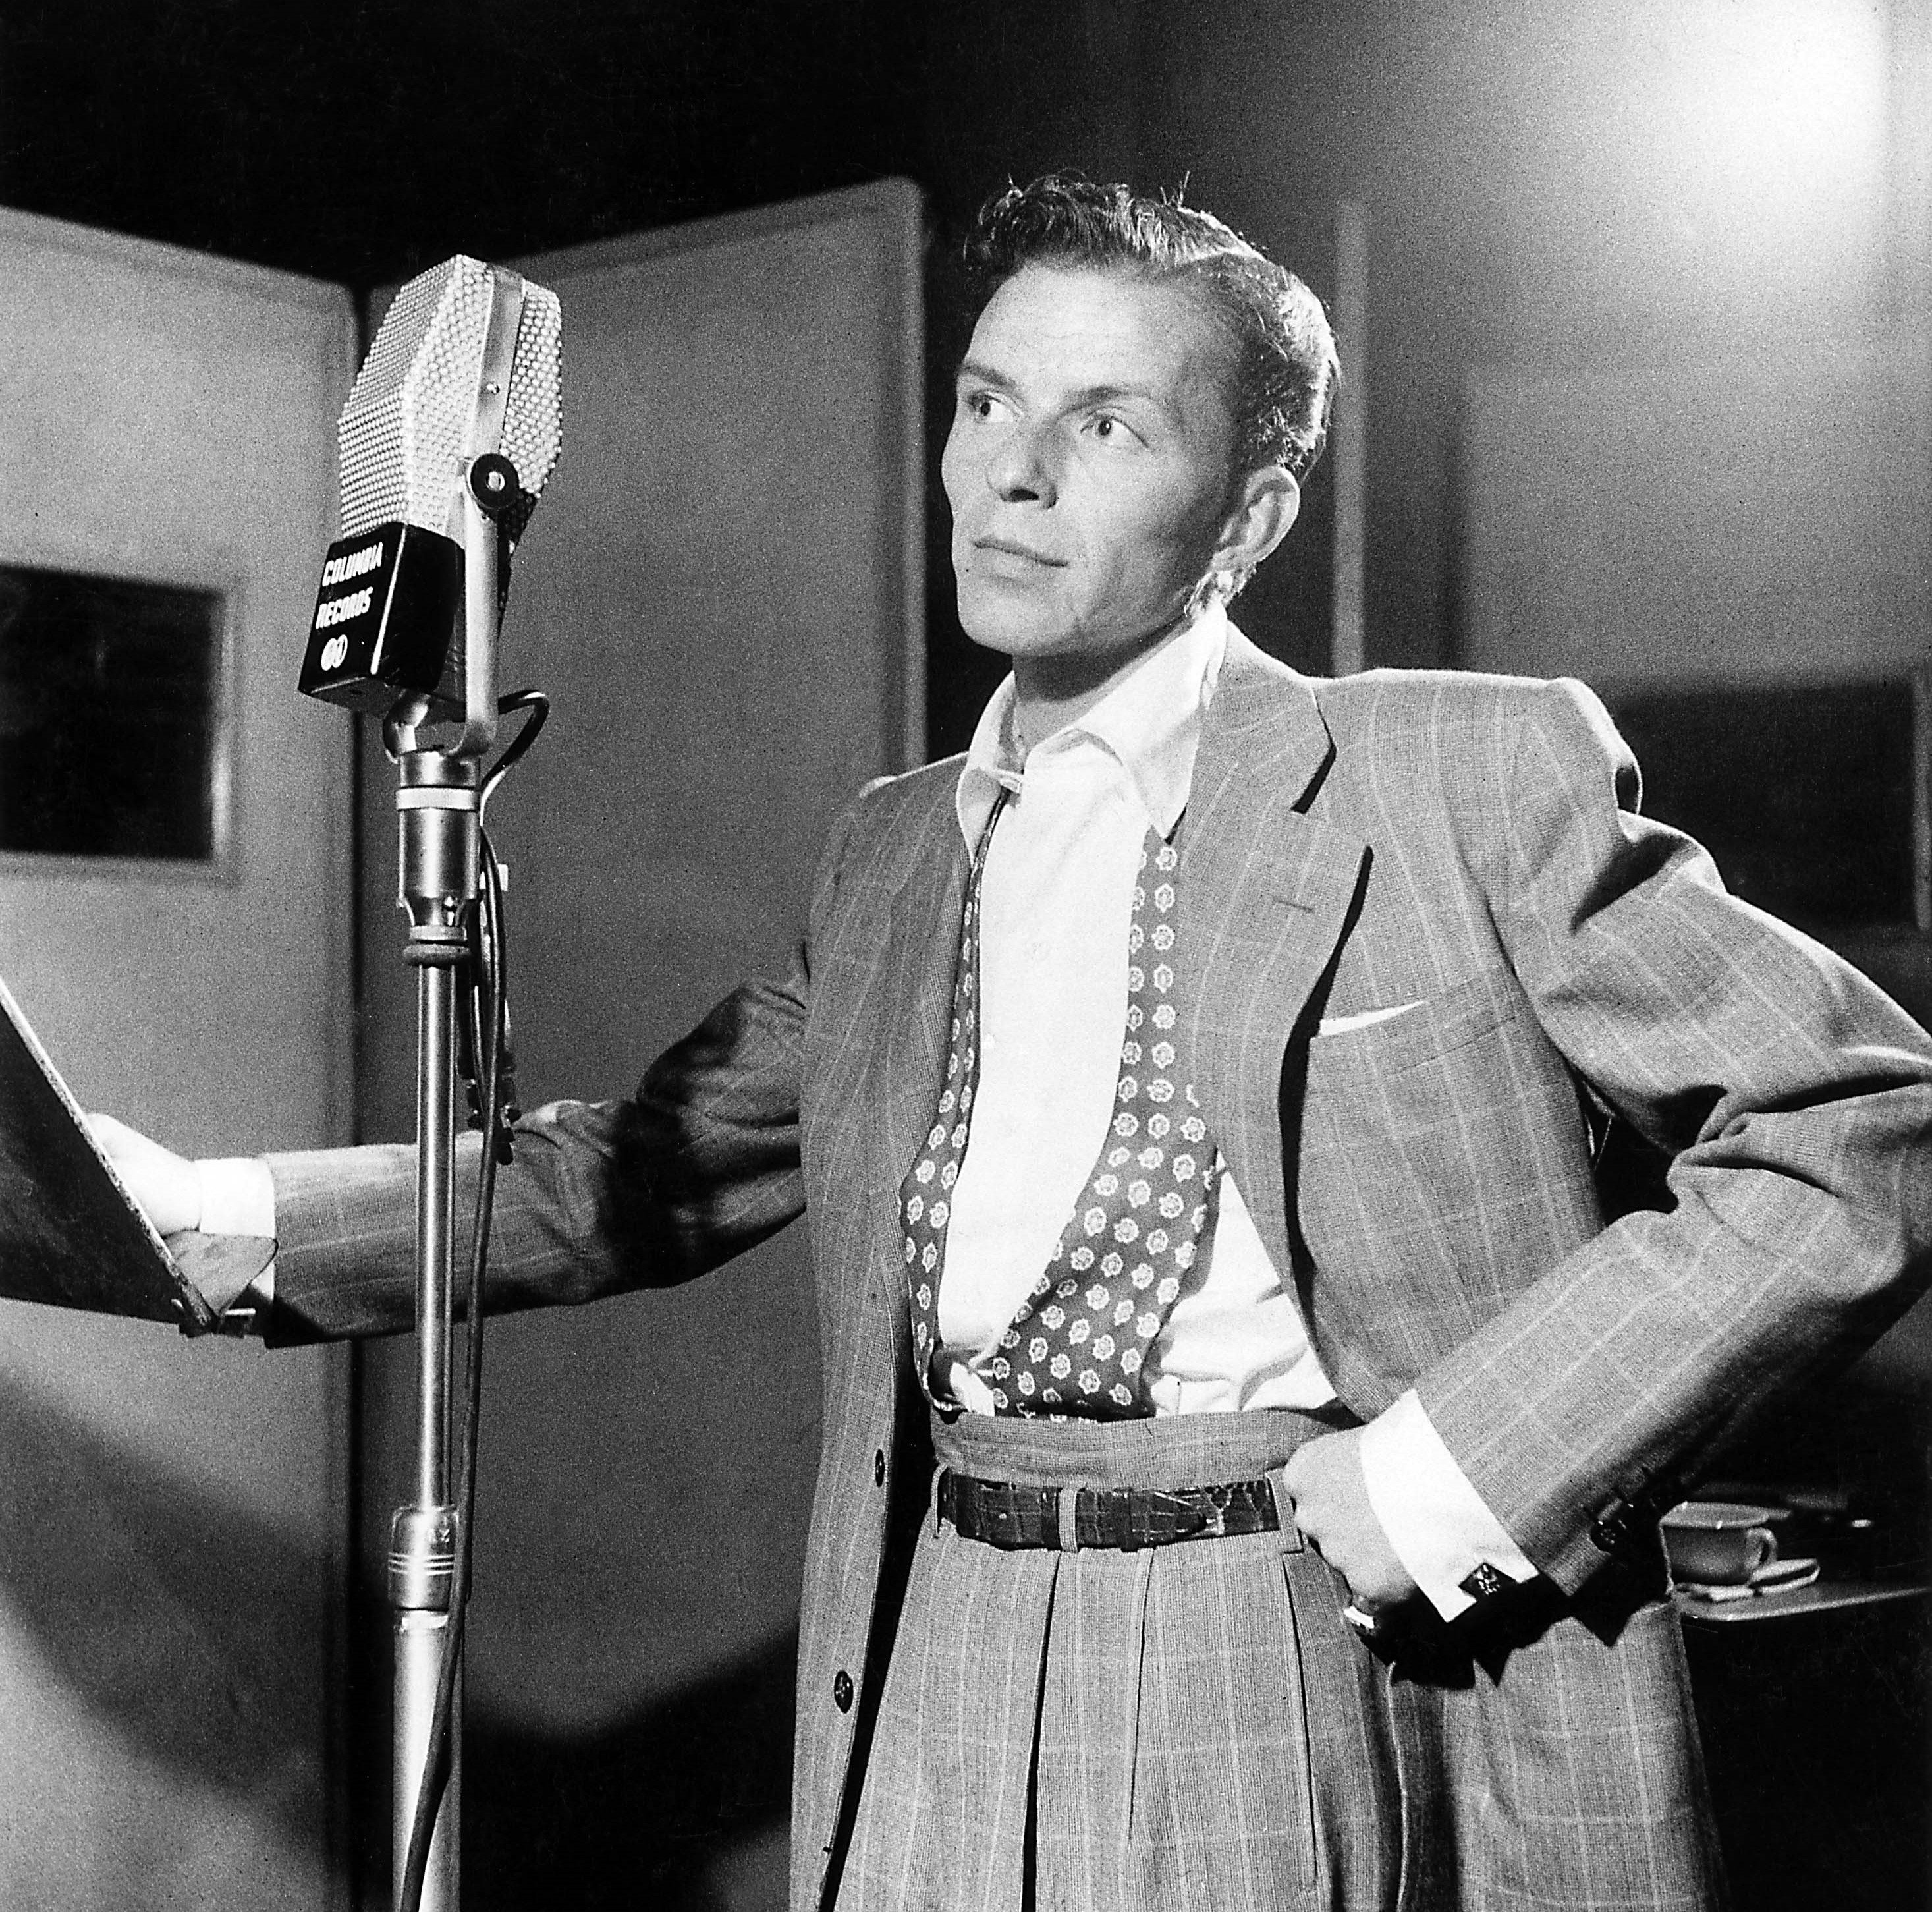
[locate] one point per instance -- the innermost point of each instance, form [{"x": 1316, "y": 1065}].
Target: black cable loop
[{"x": 537, "y": 703}]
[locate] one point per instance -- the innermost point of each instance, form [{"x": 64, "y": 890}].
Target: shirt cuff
[
  {"x": 238, "y": 1197},
  {"x": 1440, "y": 1528}
]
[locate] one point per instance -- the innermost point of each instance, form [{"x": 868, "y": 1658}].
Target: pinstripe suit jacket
[{"x": 1461, "y": 842}]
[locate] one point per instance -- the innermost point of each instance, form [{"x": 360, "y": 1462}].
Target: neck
[{"x": 1051, "y": 692}]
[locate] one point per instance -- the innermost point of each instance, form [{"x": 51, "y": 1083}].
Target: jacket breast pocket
[
  {"x": 1440, "y": 1168},
  {"x": 1461, "y": 1017}
]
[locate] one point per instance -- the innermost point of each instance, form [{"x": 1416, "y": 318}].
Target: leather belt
[{"x": 1004, "y": 1514}]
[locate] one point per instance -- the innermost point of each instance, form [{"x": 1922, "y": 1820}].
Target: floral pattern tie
[
  {"x": 1077, "y": 1346},
  {"x": 925, "y": 1195}
]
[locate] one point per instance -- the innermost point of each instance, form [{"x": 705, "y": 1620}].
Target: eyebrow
[{"x": 979, "y": 374}]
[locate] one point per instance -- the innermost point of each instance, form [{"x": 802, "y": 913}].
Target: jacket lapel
[{"x": 1265, "y": 896}]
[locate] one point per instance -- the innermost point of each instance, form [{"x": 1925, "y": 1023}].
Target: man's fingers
[
  {"x": 1307, "y": 1479},
  {"x": 115, "y": 1138},
  {"x": 1325, "y": 1480},
  {"x": 163, "y": 1184}
]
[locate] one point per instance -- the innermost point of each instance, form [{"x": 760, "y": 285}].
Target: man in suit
[{"x": 1244, "y": 1425}]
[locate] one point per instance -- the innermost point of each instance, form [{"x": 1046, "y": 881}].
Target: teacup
[{"x": 1720, "y": 1543}]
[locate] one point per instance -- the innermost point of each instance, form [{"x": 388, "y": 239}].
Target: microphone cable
[{"x": 489, "y": 1033}]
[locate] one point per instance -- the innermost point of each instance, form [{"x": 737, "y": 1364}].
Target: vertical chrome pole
[
  {"x": 423, "y": 1539},
  {"x": 437, "y": 807},
  {"x": 436, "y": 1196}
]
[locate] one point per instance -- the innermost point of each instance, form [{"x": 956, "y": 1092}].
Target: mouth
[{"x": 1010, "y": 547}]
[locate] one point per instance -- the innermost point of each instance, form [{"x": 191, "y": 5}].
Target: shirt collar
[{"x": 1150, "y": 721}]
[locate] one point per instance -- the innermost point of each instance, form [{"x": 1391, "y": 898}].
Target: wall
[
  {"x": 1714, "y": 520},
  {"x": 173, "y": 1518}
]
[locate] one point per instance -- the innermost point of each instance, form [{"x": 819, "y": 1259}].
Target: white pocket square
[{"x": 1363, "y": 1018}]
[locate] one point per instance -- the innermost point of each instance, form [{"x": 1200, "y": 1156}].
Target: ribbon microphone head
[{"x": 464, "y": 376}]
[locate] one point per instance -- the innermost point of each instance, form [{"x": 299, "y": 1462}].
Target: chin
[{"x": 1007, "y": 628}]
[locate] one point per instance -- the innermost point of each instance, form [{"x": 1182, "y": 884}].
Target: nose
[{"x": 1020, "y": 470}]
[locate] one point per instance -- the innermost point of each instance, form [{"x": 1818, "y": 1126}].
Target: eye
[
  {"x": 1110, "y": 429},
  {"x": 979, "y": 405}
]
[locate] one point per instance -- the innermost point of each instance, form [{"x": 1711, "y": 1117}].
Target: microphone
[
  {"x": 458, "y": 403},
  {"x": 451, "y": 429}
]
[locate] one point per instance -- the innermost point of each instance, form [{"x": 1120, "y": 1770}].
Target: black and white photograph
[{"x": 966, "y": 957}]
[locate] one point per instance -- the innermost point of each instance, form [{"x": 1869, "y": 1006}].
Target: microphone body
[{"x": 466, "y": 367}]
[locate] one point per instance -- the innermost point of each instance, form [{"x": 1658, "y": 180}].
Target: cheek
[
  {"x": 951, "y": 474},
  {"x": 1149, "y": 545},
  {"x": 962, "y": 464},
  {"x": 1186, "y": 539}
]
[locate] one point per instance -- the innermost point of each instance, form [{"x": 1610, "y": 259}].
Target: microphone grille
[
  {"x": 533, "y": 407},
  {"x": 404, "y": 435}
]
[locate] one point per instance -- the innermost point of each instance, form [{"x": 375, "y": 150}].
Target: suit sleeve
[
  {"x": 1795, "y": 1098},
  {"x": 701, "y": 1163}
]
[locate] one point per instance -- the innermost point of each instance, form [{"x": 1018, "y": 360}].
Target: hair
[{"x": 1282, "y": 370}]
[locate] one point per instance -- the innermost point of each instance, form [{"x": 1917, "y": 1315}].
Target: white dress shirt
[{"x": 1055, "y": 901}]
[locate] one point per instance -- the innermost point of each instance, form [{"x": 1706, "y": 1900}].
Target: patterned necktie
[
  {"x": 1077, "y": 1346},
  {"x": 925, "y": 1195}
]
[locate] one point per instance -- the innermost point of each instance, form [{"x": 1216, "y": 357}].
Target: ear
[{"x": 1265, "y": 508}]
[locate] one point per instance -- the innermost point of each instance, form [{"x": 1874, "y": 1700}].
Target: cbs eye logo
[{"x": 341, "y": 611}]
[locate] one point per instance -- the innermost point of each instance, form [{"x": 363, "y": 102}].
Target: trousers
[
  {"x": 1105, "y": 1729},
  {"x": 1196, "y": 1726}
]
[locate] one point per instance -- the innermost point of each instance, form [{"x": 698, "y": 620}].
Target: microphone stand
[{"x": 439, "y": 805}]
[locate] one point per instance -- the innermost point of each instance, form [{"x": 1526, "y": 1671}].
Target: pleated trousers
[
  {"x": 1107, "y": 1728},
  {"x": 1196, "y": 1726}
]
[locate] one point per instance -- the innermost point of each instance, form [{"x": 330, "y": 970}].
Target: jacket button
[
  {"x": 879, "y": 1468},
  {"x": 842, "y": 1690}
]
